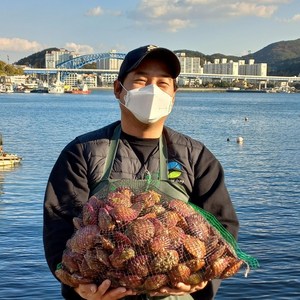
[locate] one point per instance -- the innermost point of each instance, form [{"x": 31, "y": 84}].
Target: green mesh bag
[{"x": 141, "y": 238}]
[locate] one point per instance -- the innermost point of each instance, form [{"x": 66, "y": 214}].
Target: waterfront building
[
  {"x": 5, "y": 84},
  {"x": 90, "y": 80},
  {"x": 235, "y": 68},
  {"x": 252, "y": 68},
  {"x": 189, "y": 64},
  {"x": 112, "y": 64},
  {"x": 52, "y": 58},
  {"x": 73, "y": 79},
  {"x": 221, "y": 67},
  {"x": 107, "y": 79},
  {"x": 18, "y": 79}
]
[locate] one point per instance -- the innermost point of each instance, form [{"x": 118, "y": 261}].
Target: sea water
[{"x": 262, "y": 176}]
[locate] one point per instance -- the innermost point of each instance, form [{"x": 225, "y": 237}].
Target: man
[{"x": 145, "y": 89}]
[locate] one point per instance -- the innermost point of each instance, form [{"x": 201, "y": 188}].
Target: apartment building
[
  {"x": 112, "y": 64},
  {"x": 189, "y": 64},
  {"x": 73, "y": 79},
  {"x": 252, "y": 68},
  {"x": 222, "y": 66},
  {"x": 52, "y": 58}
]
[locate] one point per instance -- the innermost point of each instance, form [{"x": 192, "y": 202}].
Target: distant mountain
[
  {"x": 36, "y": 60},
  {"x": 276, "y": 52},
  {"x": 283, "y": 58},
  {"x": 288, "y": 67}
]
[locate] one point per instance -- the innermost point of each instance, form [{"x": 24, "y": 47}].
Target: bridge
[
  {"x": 75, "y": 65},
  {"x": 79, "y": 61},
  {"x": 289, "y": 79}
]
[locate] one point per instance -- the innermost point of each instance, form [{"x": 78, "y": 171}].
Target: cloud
[
  {"x": 177, "y": 24},
  {"x": 295, "y": 18},
  {"x": 19, "y": 45},
  {"x": 274, "y": 1},
  {"x": 166, "y": 15},
  {"x": 81, "y": 49},
  {"x": 174, "y": 15},
  {"x": 252, "y": 9},
  {"x": 96, "y": 11}
]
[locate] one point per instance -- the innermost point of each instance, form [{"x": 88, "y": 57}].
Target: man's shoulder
[
  {"x": 95, "y": 136},
  {"x": 101, "y": 133}
]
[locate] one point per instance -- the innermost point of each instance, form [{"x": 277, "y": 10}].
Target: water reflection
[
  {"x": 3, "y": 171},
  {"x": 262, "y": 176}
]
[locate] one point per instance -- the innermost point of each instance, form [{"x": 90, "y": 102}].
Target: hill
[
  {"x": 283, "y": 58},
  {"x": 10, "y": 70},
  {"x": 276, "y": 52},
  {"x": 36, "y": 60}
]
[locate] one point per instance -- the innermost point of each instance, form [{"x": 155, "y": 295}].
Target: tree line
[{"x": 9, "y": 70}]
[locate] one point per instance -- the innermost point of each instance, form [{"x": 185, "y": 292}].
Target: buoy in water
[
  {"x": 246, "y": 119},
  {"x": 240, "y": 140}
]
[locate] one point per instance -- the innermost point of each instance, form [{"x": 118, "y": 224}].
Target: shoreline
[
  {"x": 179, "y": 89},
  {"x": 199, "y": 90}
]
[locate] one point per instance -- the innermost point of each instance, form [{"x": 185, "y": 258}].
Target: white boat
[
  {"x": 8, "y": 159},
  {"x": 26, "y": 87},
  {"x": 42, "y": 88},
  {"x": 56, "y": 88}
]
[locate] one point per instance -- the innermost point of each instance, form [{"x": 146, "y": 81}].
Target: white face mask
[{"x": 148, "y": 104}]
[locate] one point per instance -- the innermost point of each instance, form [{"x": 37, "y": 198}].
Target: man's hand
[
  {"x": 102, "y": 292},
  {"x": 181, "y": 289}
]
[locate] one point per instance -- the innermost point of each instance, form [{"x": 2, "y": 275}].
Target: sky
[{"x": 230, "y": 27}]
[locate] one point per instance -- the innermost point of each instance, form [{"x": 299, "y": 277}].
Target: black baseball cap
[{"x": 133, "y": 59}]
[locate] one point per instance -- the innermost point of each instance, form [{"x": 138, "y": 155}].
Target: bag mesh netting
[{"x": 140, "y": 238}]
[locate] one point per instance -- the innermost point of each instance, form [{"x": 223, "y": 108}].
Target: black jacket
[{"x": 80, "y": 166}]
